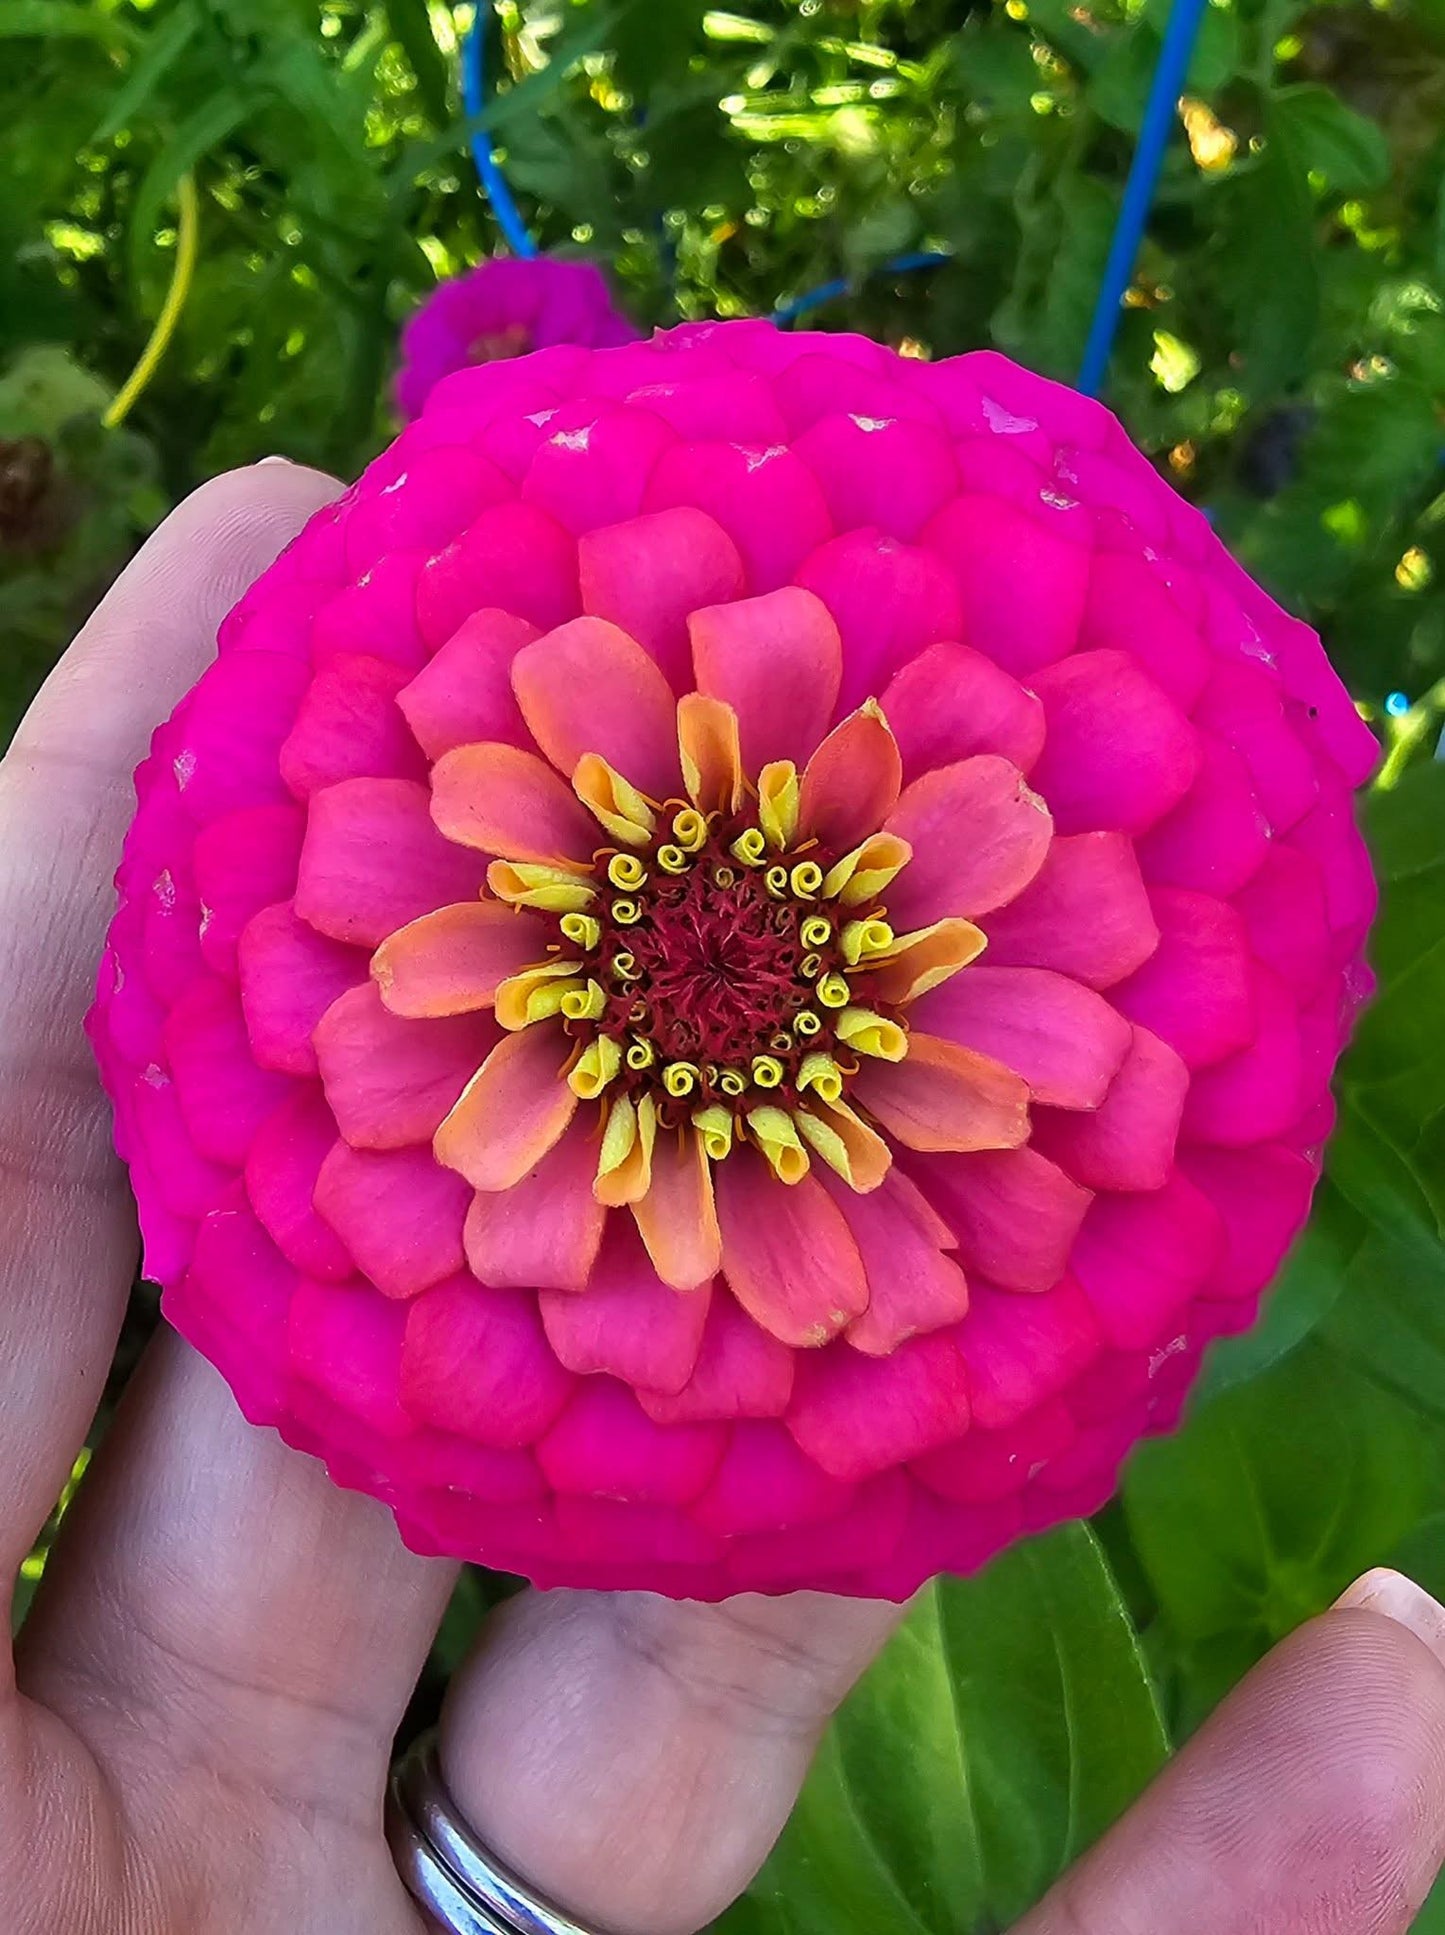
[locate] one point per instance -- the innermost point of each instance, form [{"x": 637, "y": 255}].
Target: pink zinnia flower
[
  {"x": 505, "y": 308},
  {"x": 737, "y": 965}
]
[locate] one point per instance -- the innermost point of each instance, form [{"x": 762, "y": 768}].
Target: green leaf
[
  {"x": 410, "y": 24},
  {"x": 196, "y": 136},
  {"x": 1268, "y": 267},
  {"x": 1330, "y": 139},
  {"x": 1015, "y": 1719},
  {"x": 163, "y": 48},
  {"x": 55, "y": 20}
]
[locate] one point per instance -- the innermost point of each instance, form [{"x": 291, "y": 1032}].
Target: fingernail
[
  {"x": 1395, "y": 1597},
  {"x": 272, "y": 460}
]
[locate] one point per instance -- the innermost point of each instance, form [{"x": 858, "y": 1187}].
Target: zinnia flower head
[
  {"x": 505, "y": 307},
  {"x": 737, "y": 965}
]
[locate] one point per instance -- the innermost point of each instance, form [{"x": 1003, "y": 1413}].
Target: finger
[
  {"x": 635, "y": 1758},
  {"x": 65, "y": 798},
  {"x": 1313, "y": 1803}
]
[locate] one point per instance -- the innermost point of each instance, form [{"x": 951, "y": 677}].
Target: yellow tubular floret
[
  {"x": 862, "y": 875},
  {"x": 731, "y": 1082},
  {"x": 626, "y": 872},
  {"x": 750, "y": 848},
  {"x": 767, "y": 1071},
  {"x": 679, "y": 1079},
  {"x": 822, "y": 1074},
  {"x": 863, "y": 939},
  {"x": 775, "y": 1133},
  {"x": 872, "y": 1034},
  {"x": 816, "y": 931},
  {"x": 614, "y": 802},
  {"x": 537, "y": 993},
  {"x": 553, "y": 890},
  {"x": 778, "y": 791},
  {"x": 597, "y": 1067},
  {"x": 806, "y": 880},
  {"x": 689, "y": 829},
  {"x": 834, "y": 992},
  {"x": 715, "y": 1126},
  {"x": 583, "y": 930},
  {"x": 673, "y": 858},
  {"x": 584, "y": 1004},
  {"x": 641, "y": 1054}
]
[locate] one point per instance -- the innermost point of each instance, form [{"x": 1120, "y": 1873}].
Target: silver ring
[{"x": 461, "y": 1885}]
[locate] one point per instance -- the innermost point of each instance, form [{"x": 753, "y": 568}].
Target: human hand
[{"x": 196, "y": 1732}]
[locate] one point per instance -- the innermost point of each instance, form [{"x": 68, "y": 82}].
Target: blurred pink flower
[
  {"x": 505, "y": 308},
  {"x": 737, "y": 965}
]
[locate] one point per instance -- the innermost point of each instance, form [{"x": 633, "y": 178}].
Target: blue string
[
  {"x": 1177, "y": 50},
  {"x": 787, "y": 312},
  {"x": 474, "y": 99}
]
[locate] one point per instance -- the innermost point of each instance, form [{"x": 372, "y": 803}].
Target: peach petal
[
  {"x": 711, "y": 753},
  {"x": 514, "y": 1109},
  {"x": 677, "y": 1217},
  {"x": 545, "y": 1231},
  {"x": 913, "y": 1287},
  {"x": 945, "y": 1097},
  {"x": 464, "y": 693},
  {"x": 391, "y": 1081},
  {"x": 849, "y": 1147},
  {"x": 510, "y": 803},
  {"x": 777, "y": 661},
  {"x": 1065, "y": 1040},
  {"x": 918, "y": 962},
  {"x": 648, "y": 574},
  {"x": 589, "y": 688},
  {"x": 788, "y": 1255},
  {"x": 851, "y": 783},
  {"x": 453, "y": 961},
  {"x": 978, "y": 834}
]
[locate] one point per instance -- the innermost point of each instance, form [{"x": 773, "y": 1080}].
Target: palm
[{"x": 195, "y": 1733}]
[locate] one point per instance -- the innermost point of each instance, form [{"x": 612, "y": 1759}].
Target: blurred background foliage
[{"x": 1282, "y": 359}]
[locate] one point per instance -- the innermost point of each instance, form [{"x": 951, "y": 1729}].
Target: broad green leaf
[
  {"x": 1007, "y": 1724},
  {"x": 1331, "y": 139},
  {"x": 161, "y": 51},
  {"x": 57, "y": 20},
  {"x": 1268, "y": 271},
  {"x": 201, "y": 131}
]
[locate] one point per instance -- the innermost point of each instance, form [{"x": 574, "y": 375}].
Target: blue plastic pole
[
  {"x": 474, "y": 99},
  {"x": 1180, "y": 34}
]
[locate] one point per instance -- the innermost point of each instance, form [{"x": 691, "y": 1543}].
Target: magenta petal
[
  {"x": 243, "y": 863},
  {"x": 1243, "y": 705},
  {"x": 281, "y": 1173},
  {"x": 593, "y": 464},
  {"x": 627, "y": 1322},
  {"x": 391, "y": 1081},
  {"x": 239, "y": 1286},
  {"x": 377, "y": 616},
  {"x": 1085, "y": 913},
  {"x": 224, "y": 1096},
  {"x": 650, "y": 573},
  {"x": 1015, "y": 1214},
  {"x": 889, "y": 601},
  {"x": 1139, "y": 1259},
  {"x": 1118, "y": 752},
  {"x": 398, "y": 1212},
  {"x": 1129, "y": 609},
  {"x": 1194, "y": 991},
  {"x": 463, "y": 694},
  {"x": 436, "y": 496},
  {"x": 1128, "y": 1142},
  {"x": 1022, "y": 586},
  {"x": 1258, "y": 1092},
  {"x": 809, "y": 1554},
  {"x": 1263, "y": 1198},
  {"x": 1216, "y": 838},
  {"x": 767, "y": 500},
  {"x": 855, "y": 1415},
  {"x": 741, "y": 1372},
  {"x": 978, "y": 834},
  {"x": 290, "y": 975},
  {"x": 605, "y": 1446},
  {"x": 1023, "y": 1351},
  {"x": 987, "y": 1466},
  {"x": 474, "y": 1361},
  {"x": 765, "y": 1484},
  {"x": 225, "y": 735},
  {"x": 373, "y": 860},
  {"x": 186, "y": 1181},
  {"x": 1065, "y": 1040},
  {"x": 880, "y": 470},
  {"x": 514, "y": 558},
  {"x": 345, "y": 1346},
  {"x": 1283, "y": 908},
  {"x": 349, "y": 727},
  {"x": 951, "y": 702}
]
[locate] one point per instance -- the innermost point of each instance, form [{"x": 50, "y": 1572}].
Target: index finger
[{"x": 65, "y": 799}]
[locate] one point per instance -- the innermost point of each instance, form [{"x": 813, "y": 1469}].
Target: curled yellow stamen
[
  {"x": 862, "y": 875},
  {"x": 596, "y": 1068},
  {"x": 627, "y": 913},
  {"x": 715, "y": 1126},
  {"x": 806, "y": 880},
  {"x": 624, "y": 965},
  {"x": 614, "y": 802},
  {"x": 811, "y": 966},
  {"x": 816, "y": 931},
  {"x": 672, "y": 859},
  {"x": 689, "y": 829},
  {"x": 626, "y": 871},
  {"x": 767, "y": 1071},
  {"x": 523, "y": 883},
  {"x": 679, "y": 1079},
  {"x": 536, "y": 993},
  {"x": 822, "y": 1074},
  {"x": 750, "y": 848},
  {"x": 776, "y": 1135},
  {"x": 862, "y": 939},
  {"x": 778, "y": 790},
  {"x": 834, "y": 992},
  {"x": 776, "y": 882},
  {"x": 782, "y": 1042},
  {"x": 724, "y": 877},
  {"x": 583, "y": 930},
  {"x": 807, "y": 1024},
  {"x": 584, "y": 1004},
  {"x": 640, "y": 1054},
  {"x": 731, "y": 1082},
  {"x": 872, "y": 1034}
]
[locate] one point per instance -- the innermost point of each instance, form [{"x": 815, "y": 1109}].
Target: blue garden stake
[
  {"x": 474, "y": 99},
  {"x": 1175, "y": 54}
]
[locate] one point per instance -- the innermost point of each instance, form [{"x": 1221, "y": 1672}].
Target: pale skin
[{"x": 196, "y": 1728}]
